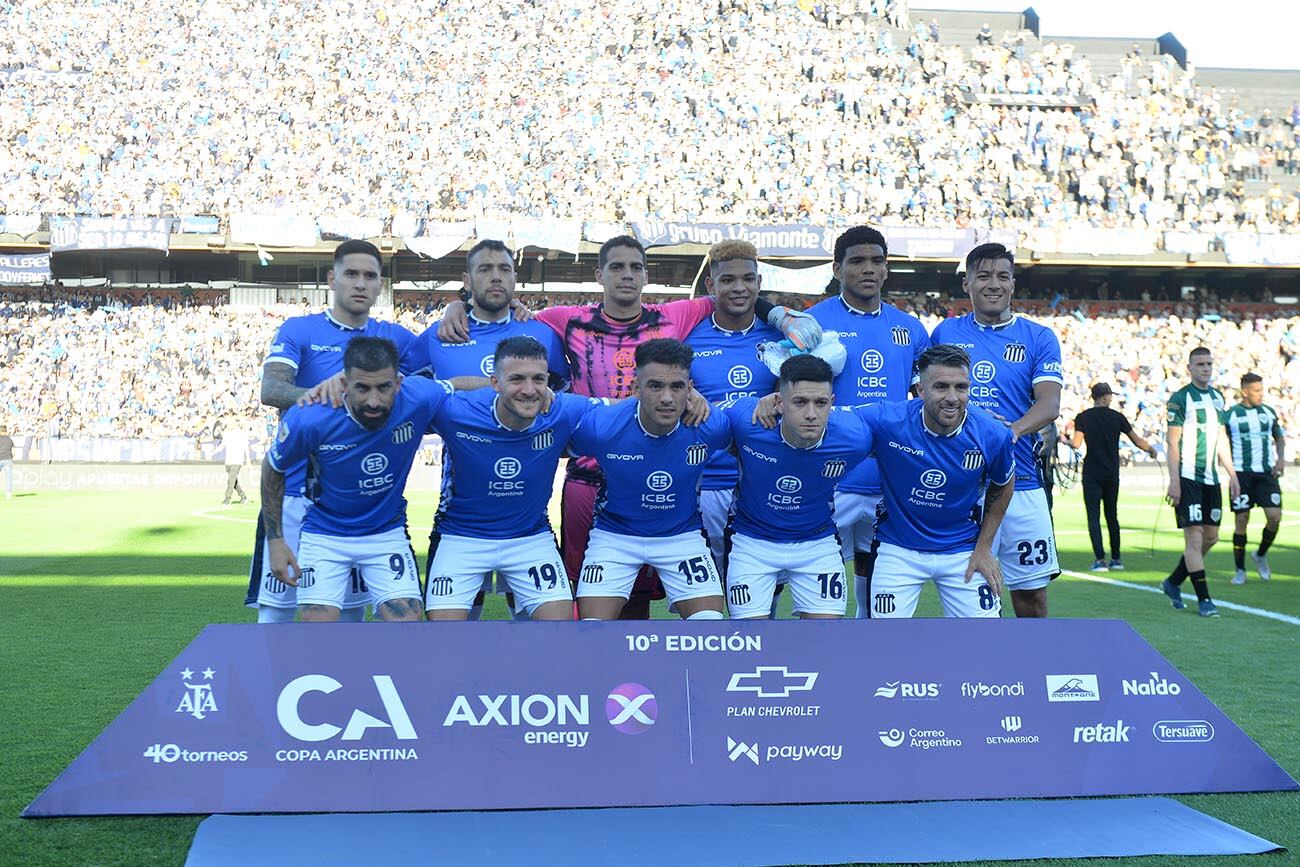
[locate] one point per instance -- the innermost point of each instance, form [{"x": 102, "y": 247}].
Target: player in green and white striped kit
[
  {"x": 1196, "y": 416},
  {"x": 1258, "y": 446}
]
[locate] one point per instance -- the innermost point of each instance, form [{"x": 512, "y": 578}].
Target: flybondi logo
[{"x": 993, "y": 690}]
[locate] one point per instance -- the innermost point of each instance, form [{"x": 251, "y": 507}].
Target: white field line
[
  {"x": 1231, "y": 606},
  {"x": 207, "y": 513}
]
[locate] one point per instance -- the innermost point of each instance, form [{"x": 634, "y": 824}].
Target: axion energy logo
[{"x": 631, "y": 708}]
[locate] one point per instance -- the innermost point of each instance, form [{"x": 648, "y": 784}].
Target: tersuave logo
[
  {"x": 1183, "y": 731},
  {"x": 288, "y": 713},
  {"x": 1156, "y": 685}
]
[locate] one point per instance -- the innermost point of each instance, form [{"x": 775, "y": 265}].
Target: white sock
[
  {"x": 860, "y": 594},
  {"x": 271, "y": 614},
  {"x": 707, "y": 615},
  {"x": 353, "y": 615}
]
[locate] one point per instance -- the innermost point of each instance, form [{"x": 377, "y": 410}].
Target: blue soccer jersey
[
  {"x": 932, "y": 483},
  {"x": 496, "y": 482},
  {"x": 726, "y": 367},
  {"x": 786, "y": 493},
  {"x": 313, "y": 346},
  {"x": 651, "y": 485},
  {"x": 882, "y": 352},
  {"x": 1007, "y": 361},
  {"x": 430, "y": 355},
  {"x": 360, "y": 474}
]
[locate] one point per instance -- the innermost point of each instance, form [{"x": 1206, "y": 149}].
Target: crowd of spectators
[
  {"x": 737, "y": 110},
  {"x": 77, "y": 367}
]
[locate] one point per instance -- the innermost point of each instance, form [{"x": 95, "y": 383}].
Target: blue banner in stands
[
  {"x": 380, "y": 717},
  {"x": 109, "y": 233},
  {"x": 24, "y": 268}
]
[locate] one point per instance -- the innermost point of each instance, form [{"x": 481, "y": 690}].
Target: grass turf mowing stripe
[{"x": 1232, "y": 606}]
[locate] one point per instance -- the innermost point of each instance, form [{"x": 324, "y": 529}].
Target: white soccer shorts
[
  {"x": 384, "y": 561},
  {"x": 1026, "y": 542},
  {"x": 715, "y": 509},
  {"x": 274, "y": 593},
  {"x": 612, "y": 561},
  {"x": 531, "y": 566},
  {"x": 855, "y": 522},
  {"x": 813, "y": 570},
  {"x": 901, "y": 573}
]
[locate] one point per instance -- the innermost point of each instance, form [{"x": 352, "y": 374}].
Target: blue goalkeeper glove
[{"x": 803, "y": 331}]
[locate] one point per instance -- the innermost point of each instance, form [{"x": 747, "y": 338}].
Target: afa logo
[
  {"x": 983, "y": 371},
  {"x": 1015, "y": 353},
  {"x": 740, "y": 376},
  {"x": 198, "y": 700},
  {"x": 872, "y": 361}
]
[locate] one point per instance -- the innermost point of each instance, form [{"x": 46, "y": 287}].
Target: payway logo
[
  {"x": 739, "y": 750},
  {"x": 772, "y": 681}
]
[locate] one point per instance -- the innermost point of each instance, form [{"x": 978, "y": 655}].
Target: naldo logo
[{"x": 1155, "y": 685}]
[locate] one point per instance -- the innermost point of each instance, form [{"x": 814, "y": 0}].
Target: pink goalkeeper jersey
[{"x": 602, "y": 352}]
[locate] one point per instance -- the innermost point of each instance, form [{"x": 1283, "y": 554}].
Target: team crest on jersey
[
  {"x": 972, "y": 459},
  {"x": 1015, "y": 352},
  {"x": 404, "y": 433},
  {"x": 901, "y": 336},
  {"x": 697, "y": 454},
  {"x": 284, "y": 432},
  {"x": 833, "y": 469},
  {"x": 543, "y": 440}
]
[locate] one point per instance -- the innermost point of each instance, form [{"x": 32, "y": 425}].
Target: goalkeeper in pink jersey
[{"x": 600, "y": 341}]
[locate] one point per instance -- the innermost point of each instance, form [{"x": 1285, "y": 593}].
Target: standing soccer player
[
  {"x": 726, "y": 366},
  {"x": 490, "y": 279},
  {"x": 1100, "y": 427},
  {"x": 938, "y": 458},
  {"x": 648, "y": 511},
  {"x": 306, "y": 351},
  {"x": 1016, "y": 375},
  {"x": 1196, "y": 414},
  {"x": 883, "y": 345},
  {"x": 784, "y": 524},
  {"x": 500, "y": 454},
  {"x": 362, "y": 454},
  {"x": 600, "y": 342},
  {"x": 1258, "y": 445}
]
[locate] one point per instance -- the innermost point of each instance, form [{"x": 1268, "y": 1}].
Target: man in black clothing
[{"x": 1100, "y": 427}]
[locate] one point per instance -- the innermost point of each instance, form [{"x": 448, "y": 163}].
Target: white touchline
[
  {"x": 203, "y": 513},
  {"x": 1231, "y": 606}
]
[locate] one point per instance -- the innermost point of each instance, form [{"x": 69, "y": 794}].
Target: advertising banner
[
  {"x": 18, "y": 269},
  {"x": 382, "y": 717},
  {"x": 109, "y": 233}
]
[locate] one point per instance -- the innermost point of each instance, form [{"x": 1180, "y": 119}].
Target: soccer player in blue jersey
[
  {"x": 490, "y": 280},
  {"x": 1016, "y": 374},
  {"x": 306, "y": 351},
  {"x": 883, "y": 344},
  {"x": 361, "y": 453},
  {"x": 726, "y": 366},
  {"x": 501, "y": 450},
  {"x": 784, "y": 524},
  {"x": 647, "y": 511},
  {"x": 937, "y": 458}
]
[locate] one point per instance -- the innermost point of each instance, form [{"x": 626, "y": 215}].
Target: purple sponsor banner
[{"x": 379, "y": 717}]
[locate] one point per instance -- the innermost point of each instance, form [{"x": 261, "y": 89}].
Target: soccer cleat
[
  {"x": 1175, "y": 595},
  {"x": 1116, "y": 566},
  {"x": 1261, "y": 566},
  {"x": 1099, "y": 566},
  {"x": 1240, "y": 577},
  {"x": 1207, "y": 609}
]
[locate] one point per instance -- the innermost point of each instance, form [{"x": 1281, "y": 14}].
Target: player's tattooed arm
[
  {"x": 278, "y": 389},
  {"x": 272, "y": 500},
  {"x": 982, "y": 559}
]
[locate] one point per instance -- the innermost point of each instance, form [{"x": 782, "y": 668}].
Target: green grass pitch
[{"x": 99, "y": 591}]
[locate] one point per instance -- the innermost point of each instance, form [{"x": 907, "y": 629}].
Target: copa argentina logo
[
  {"x": 198, "y": 700},
  {"x": 325, "y": 726}
]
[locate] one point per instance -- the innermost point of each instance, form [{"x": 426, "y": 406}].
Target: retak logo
[{"x": 1102, "y": 733}]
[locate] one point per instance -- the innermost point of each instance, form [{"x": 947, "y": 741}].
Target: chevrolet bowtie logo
[{"x": 772, "y": 681}]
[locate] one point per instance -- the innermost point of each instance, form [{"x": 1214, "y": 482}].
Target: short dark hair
[
  {"x": 521, "y": 346},
  {"x": 857, "y": 236},
  {"x": 487, "y": 244},
  {"x": 1250, "y": 379},
  {"x": 618, "y": 241},
  {"x": 942, "y": 355},
  {"x": 664, "y": 350},
  {"x": 370, "y": 354},
  {"x": 805, "y": 368},
  {"x": 988, "y": 253},
  {"x": 347, "y": 248},
  {"x": 1200, "y": 350}
]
